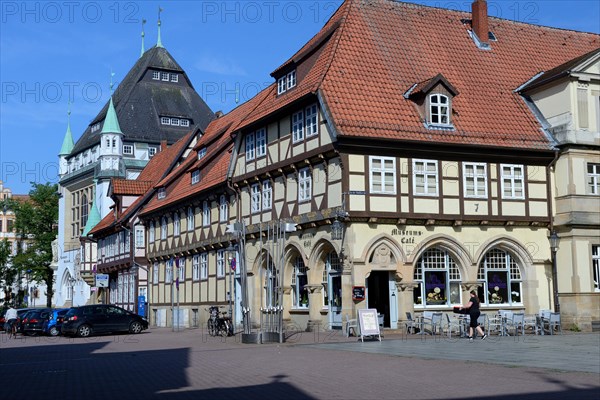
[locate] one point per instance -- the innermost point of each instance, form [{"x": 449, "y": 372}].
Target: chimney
[
  {"x": 480, "y": 20},
  {"x": 163, "y": 145}
]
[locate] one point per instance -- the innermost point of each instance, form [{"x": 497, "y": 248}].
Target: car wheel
[
  {"x": 53, "y": 331},
  {"x": 135, "y": 327},
  {"x": 84, "y": 331}
]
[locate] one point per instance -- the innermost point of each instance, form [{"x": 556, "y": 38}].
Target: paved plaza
[{"x": 163, "y": 364}]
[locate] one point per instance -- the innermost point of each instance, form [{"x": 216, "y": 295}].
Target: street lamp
[
  {"x": 231, "y": 256},
  {"x": 554, "y": 239},
  {"x": 72, "y": 284}
]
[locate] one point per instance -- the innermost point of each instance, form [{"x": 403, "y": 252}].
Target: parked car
[
  {"x": 22, "y": 314},
  {"x": 101, "y": 318},
  {"x": 33, "y": 321},
  {"x": 53, "y": 324}
]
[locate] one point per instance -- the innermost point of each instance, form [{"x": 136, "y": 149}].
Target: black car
[
  {"x": 33, "y": 322},
  {"x": 101, "y": 318}
]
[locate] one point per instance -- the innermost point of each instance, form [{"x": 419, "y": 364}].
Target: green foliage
[
  {"x": 36, "y": 227},
  {"x": 575, "y": 328}
]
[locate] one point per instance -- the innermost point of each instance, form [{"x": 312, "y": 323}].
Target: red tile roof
[
  {"x": 388, "y": 46},
  {"x": 370, "y": 53},
  {"x": 213, "y": 166},
  {"x": 130, "y": 187},
  {"x": 156, "y": 168}
]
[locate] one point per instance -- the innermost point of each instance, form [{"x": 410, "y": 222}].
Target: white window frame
[
  {"x": 163, "y": 228},
  {"x": 223, "y": 209},
  {"x": 383, "y": 172},
  {"x": 176, "y": 224},
  {"x": 291, "y": 80},
  {"x": 151, "y": 232},
  {"x": 156, "y": 75},
  {"x": 162, "y": 193},
  {"x": 267, "y": 195},
  {"x": 128, "y": 149},
  {"x": 298, "y": 126},
  {"x": 202, "y": 153},
  {"x": 479, "y": 180},
  {"x": 282, "y": 85},
  {"x": 165, "y": 76},
  {"x": 175, "y": 121},
  {"x": 426, "y": 190},
  {"x": 181, "y": 269},
  {"x": 596, "y": 267},
  {"x": 220, "y": 263},
  {"x": 512, "y": 178},
  {"x": 304, "y": 185},
  {"x": 190, "y": 219},
  {"x": 151, "y": 152},
  {"x": 250, "y": 149},
  {"x": 311, "y": 118},
  {"x": 169, "y": 271},
  {"x": 205, "y": 213},
  {"x": 139, "y": 237},
  {"x": 435, "y": 100},
  {"x": 261, "y": 142},
  {"x": 155, "y": 273},
  {"x": 165, "y": 120},
  {"x": 255, "y": 197},
  {"x": 184, "y": 122},
  {"x": 174, "y": 78},
  {"x": 593, "y": 179},
  {"x": 195, "y": 176},
  {"x": 203, "y": 266},
  {"x": 196, "y": 267}
]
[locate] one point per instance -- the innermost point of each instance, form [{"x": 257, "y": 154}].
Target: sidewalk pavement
[{"x": 161, "y": 364}]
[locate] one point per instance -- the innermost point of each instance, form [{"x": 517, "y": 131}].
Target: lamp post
[
  {"x": 231, "y": 256},
  {"x": 72, "y": 283},
  {"x": 554, "y": 239}
]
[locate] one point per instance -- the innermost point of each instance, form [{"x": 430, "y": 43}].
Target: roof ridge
[{"x": 338, "y": 32}]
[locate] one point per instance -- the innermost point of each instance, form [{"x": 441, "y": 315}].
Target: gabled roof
[
  {"x": 428, "y": 84},
  {"x": 218, "y": 141},
  {"x": 157, "y": 167},
  {"x": 370, "y": 53},
  {"x": 140, "y": 102},
  {"x": 561, "y": 70},
  {"x": 387, "y": 46}
]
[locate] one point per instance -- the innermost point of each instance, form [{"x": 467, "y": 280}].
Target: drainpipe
[{"x": 550, "y": 167}]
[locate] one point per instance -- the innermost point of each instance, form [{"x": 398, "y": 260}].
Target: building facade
[{"x": 155, "y": 103}]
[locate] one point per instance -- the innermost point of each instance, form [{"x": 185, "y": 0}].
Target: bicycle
[{"x": 218, "y": 323}]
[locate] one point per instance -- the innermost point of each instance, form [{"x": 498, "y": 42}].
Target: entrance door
[
  {"x": 333, "y": 269},
  {"x": 379, "y": 294}
]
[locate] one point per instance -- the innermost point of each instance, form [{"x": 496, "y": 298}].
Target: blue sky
[{"x": 52, "y": 52}]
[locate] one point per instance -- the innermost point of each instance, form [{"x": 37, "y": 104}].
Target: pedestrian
[
  {"x": 474, "y": 313},
  {"x": 10, "y": 317}
]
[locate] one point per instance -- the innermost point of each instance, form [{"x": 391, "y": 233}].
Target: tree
[
  {"x": 36, "y": 224},
  {"x": 7, "y": 273}
]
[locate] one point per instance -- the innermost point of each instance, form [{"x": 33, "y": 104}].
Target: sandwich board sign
[
  {"x": 369, "y": 324},
  {"x": 102, "y": 280}
]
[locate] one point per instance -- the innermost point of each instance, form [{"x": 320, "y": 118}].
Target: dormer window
[
  {"x": 201, "y": 153},
  {"x": 162, "y": 193},
  {"x": 165, "y": 76},
  {"x": 195, "y": 176},
  {"x": 95, "y": 127},
  {"x": 151, "y": 151},
  {"x": 128, "y": 149},
  {"x": 286, "y": 82},
  {"x": 156, "y": 75},
  {"x": 281, "y": 85},
  {"x": 439, "y": 109},
  {"x": 174, "y": 78},
  {"x": 433, "y": 98},
  {"x": 175, "y": 121}
]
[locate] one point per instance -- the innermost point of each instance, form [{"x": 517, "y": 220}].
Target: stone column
[
  {"x": 287, "y": 302},
  {"x": 315, "y": 304},
  {"x": 405, "y": 298}
]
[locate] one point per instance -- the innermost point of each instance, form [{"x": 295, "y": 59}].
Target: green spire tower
[
  {"x": 111, "y": 123},
  {"x": 68, "y": 144},
  {"x": 159, "y": 41},
  {"x": 94, "y": 216},
  {"x": 143, "y": 35}
]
